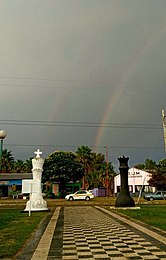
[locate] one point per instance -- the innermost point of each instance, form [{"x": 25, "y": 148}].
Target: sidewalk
[{"x": 96, "y": 233}]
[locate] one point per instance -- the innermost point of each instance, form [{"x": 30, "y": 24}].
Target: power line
[
  {"x": 82, "y": 81},
  {"x": 76, "y": 146},
  {"x": 112, "y": 85},
  {"x": 89, "y": 88},
  {"x": 78, "y": 124}
]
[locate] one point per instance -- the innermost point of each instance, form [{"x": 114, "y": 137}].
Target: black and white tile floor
[{"x": 88, "y": 233}]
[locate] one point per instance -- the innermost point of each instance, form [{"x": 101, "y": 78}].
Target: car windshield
[{"x": 81, "y": 192}]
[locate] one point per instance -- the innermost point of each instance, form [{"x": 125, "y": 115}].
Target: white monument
[
  {"x": 33, "y": 187},
  {"x": 164, "y": 127}
]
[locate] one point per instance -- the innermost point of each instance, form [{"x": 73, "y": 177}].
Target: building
[
  {"x": 60, "y": 191},
  {"x": 137, "y": 181},
  {"x": 12, "y": 183}
]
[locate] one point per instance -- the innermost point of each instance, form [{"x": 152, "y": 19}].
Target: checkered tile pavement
[{"x": 90, "y": 234}]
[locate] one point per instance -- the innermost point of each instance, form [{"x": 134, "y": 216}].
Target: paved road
[{"x": 95, "y": 233}]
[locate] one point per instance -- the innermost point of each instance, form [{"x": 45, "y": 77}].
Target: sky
[{"x": 83, "y": 72}]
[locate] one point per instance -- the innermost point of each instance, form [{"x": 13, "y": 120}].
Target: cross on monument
[{"x": 38, "y": 152}]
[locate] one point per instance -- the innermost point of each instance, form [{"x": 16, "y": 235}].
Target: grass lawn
[
  {"x": 15, "y": 229},
  {"x": 154, "y": 215}
]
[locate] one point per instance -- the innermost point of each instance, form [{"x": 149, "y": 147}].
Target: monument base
[
  {"x": 42, "y": 210},
  {"x": 36, "y": 204},
  {"x": 124, "y": 201},
  {"x": 126, "y": 208}
]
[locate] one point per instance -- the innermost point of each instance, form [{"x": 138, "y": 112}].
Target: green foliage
[
  {"x": 152, "y": 215},
  {"x": 20, "y": 166},
  {"x": 84, "y": 156},
  {"x": 148, "y": 165},
  {"x": 62, "y": 167},
  {"x": 28, "y": 165},
  {"x": 95, "y": 167},
  {"x": 84, "y": 150},
  {"x": 7, "y": 161},
  {"x": 13, "y": 194},
  {"x": 158, "y": 178},
  {"x": 15, "y": 229},
  {"x": 9, "y": 165},
  {"x": 93, "y": 179},
  {"x": 158, "y": 172},
  {"x": 162, "y": 165},
  {"x": 139, "y": 166},
  {"x": 98, "y": 161}
]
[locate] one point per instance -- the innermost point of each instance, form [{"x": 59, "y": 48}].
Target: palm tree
[
  {"x": 100, "y": 165},
  {"x": 28, "y": 165},
  {"x": 7, "y": 161},
  {"x": 98, "y": 160},
  {"x": 19, "y": 166},
  {"x": 84, "y": 155}
]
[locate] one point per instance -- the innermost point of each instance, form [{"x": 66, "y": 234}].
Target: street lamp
[
  {"x": 107, "y": 182},
  {"x": 2, "y": 136}
]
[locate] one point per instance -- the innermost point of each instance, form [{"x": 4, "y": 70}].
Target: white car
[{"x": 80, "y": 195}]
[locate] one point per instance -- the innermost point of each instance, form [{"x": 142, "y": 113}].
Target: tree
[
  {"x": 28, "y": 165},
  {"x": 84, "y": 155},
  {"x": 158, "y": 178},
  {"x": 162, "y": 165},
  {"x": 140, "y": 166},
  {"x": 93, "y": 180},
  {"x": 96, "y": 178},
  {"x": 18, "y": 166},
  {"x": 111, "y": 175},
  {"x": 98, "y": 160},
  {"x": 62, "y": 167},
  {"x": 7, "y": 161},
  {"x": 150, "y": 164}
]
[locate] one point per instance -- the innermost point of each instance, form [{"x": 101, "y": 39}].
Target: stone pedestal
[
  {"x": 124, "y": 199},
  {"x": 36, "y": 201}
]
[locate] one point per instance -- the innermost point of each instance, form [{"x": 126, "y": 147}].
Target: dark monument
[{"x": 124, "y": 199}]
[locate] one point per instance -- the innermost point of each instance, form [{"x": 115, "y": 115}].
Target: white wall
[{"x": 136, "y": 178}]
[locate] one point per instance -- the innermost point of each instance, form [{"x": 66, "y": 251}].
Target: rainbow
[{"x": 131, "y": 68}]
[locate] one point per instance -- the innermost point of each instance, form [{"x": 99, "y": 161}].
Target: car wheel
[
  {"x": 71, "y": 198},
  {"x": 151, "y": 198},
  {"x": 87, "y": 198}
]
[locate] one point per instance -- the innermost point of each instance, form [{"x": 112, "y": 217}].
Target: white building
[{"x": 137, "y": 180}]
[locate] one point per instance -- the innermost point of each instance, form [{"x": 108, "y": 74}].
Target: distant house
[
  {"x": 12, "y": 182},
  {"x": 137, "y": 180}
]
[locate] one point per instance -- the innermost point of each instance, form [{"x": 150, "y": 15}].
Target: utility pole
[{"x": 107, "y": 177}]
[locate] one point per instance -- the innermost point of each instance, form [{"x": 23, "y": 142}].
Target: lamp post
[
  {"x": 2, "y": 136},
  {"x": 106, "y": 155}
]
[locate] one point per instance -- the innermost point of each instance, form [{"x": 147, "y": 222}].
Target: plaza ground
[
  {"x": 90, "y": 230},
  {"x": 93, "y": 232}
]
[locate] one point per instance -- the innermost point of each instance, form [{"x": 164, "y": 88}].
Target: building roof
[{"x": 15, "y": 176}]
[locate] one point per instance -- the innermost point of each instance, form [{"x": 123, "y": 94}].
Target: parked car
[
  {"x": 158, "y": 195},
  {"x": 80, "y": 195}
]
